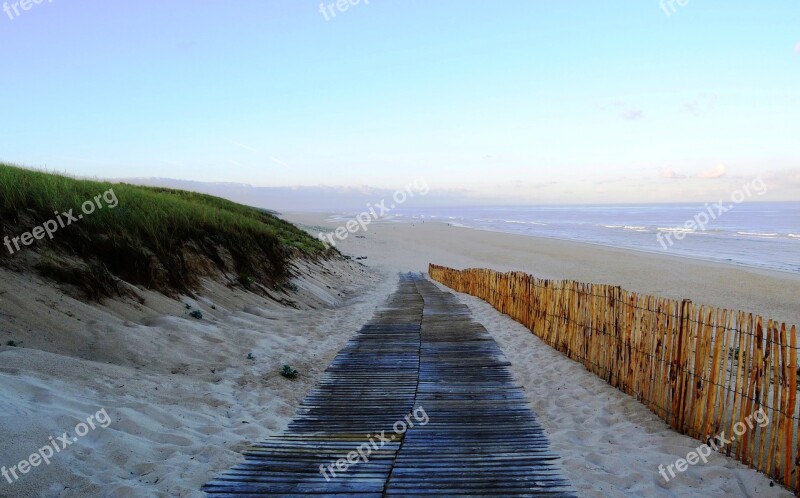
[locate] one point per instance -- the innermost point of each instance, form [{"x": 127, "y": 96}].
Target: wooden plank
[
  {"x": 739, "y": 388},
  {"x": 731, "y": 352},
  {"x": 777, "y": 403},
  {"x": 718, "y": 336},
  {"x": 669, "y": 375},
  {"x": 791, "y": 352},
  {"x": 765, "y": 436},
  {"x": 421, "y": 350},
  {"x": 755, "y": 353}
]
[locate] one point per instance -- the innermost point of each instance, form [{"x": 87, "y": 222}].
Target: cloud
[
  {"x": 519, "y": 184},
  {"x": 669, "y": 173},
  {"x": 716, "y": 172},
  {"x": 784, "y": 177},
  {"x": 622, "y": 109},
  {"x": 628, "y": 112},
  {"x": 633, "y": 114},
  {"x": 612, "y": 180},
  {"x": 704, "y": 103}
]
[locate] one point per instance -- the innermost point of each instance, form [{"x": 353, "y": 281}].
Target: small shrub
[
  {"x": 289, "y": 372},
  {"x": 251, "y": 356},
  {"x": 196, "y": 314},
  {"x": 13, "y": 344}
]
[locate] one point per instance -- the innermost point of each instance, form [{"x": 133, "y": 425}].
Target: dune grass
[{"x": 161, "y": 238}]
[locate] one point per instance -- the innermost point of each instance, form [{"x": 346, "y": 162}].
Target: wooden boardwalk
[{"x": 421, "y": 353}]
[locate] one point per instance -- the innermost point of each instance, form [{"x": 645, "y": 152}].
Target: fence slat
[{"x": 790, "y": 410}]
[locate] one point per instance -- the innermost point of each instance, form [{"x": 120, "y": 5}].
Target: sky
[{"x": 535, "y": 101}]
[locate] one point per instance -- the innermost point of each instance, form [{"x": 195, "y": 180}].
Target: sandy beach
[
  {"x": 402, "y": 247},
  {"x": 611, "y": 444},
  {"x": 184, "y": 397}
]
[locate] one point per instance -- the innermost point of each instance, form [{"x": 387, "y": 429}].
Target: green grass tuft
[
  {"x": 289, "y": 372},
  {"x": 160, "y": 238}
]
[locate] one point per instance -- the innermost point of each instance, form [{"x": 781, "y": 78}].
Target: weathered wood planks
[
  {"x": 482, "y": 439},
  {"x": 421, "y": 350}
]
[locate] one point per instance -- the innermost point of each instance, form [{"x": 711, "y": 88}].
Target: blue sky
[{"x": 536, "y": 101}]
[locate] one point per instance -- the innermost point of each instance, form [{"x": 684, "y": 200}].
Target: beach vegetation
[
  {"x": 158, "y": 238},
  {"x": 289, "y": 372}
]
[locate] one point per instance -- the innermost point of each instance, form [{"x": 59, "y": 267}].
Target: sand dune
[{"x": 182, "y": 396}]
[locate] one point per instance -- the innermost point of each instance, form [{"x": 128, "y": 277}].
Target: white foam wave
[
  {"x": 526, "y": 223},
  {"x": 757, "y": 234}
]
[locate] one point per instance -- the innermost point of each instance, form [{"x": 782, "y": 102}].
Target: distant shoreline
[
  {"x": 667, "y": 254},
  {"x": 401, "y": 246},
  {"x": 776, "y": 272}
]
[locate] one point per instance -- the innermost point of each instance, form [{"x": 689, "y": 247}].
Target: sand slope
[{"x": 182, "y": 394}]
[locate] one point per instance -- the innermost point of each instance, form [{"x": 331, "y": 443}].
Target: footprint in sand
[{"x": 172, "y": 439}]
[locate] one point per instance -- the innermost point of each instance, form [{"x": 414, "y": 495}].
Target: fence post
[{"x": 680, "y": 375}]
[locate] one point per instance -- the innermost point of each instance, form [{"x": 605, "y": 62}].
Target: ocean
[{"x": 763, "y": 235}]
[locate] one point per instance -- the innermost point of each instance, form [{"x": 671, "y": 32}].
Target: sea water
[{"x": 763, "y": 234}]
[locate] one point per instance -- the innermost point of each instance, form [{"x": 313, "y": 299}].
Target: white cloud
[
  {"x": 785, "y": 177},
  {"x": 633, "y": 114},
  {"x": 717, "y": 172},
  {"x": 669, "y": 173},
  {"x": 621, "y": 109},
  {"x": 705, "y": 102}
]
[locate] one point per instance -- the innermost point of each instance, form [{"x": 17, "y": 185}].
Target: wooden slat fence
[{"x": 703, "y": 370}]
